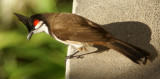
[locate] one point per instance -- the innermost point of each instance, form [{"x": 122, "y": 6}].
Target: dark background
[{"x": 40, "y": 58}]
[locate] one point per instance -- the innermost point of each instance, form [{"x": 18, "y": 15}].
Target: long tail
[{"x": 134, "y": 53}]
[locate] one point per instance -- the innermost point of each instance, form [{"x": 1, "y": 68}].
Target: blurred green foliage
[{"x": 40, "y": 58}]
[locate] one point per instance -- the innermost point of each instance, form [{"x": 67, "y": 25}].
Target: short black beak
[{"x": 30, "y": 35}]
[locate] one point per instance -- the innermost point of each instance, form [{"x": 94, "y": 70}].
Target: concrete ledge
[{"x": 133, "y": 21}]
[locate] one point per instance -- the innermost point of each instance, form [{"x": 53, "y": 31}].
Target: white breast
[{"x": 68, "y": 42}]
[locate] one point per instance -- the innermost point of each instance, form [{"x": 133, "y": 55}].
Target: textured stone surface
[{"x": 133, "y": 21}]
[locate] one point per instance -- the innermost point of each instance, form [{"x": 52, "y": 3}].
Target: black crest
[{"x": 28, "y": 22}]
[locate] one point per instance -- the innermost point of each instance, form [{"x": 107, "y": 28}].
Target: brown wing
[
  {"x": 76, "y": 28},
  {"x": 80, "y": 34}
]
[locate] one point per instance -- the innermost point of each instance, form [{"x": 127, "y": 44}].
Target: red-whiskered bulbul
[{"x": 79, "y": 32}]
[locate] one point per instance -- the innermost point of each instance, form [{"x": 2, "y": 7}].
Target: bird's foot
[
  {"x": 72, "y": 56},
  {"x": 69, "y": 57},
  {"x": 79, "y": 56}
]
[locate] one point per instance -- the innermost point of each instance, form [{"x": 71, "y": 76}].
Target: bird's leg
[
  {"x": 72, "y": 55},
  {"x": 80, "y": 49}
]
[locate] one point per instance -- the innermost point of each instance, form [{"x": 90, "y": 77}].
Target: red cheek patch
[{"x": 36, "y": 22}]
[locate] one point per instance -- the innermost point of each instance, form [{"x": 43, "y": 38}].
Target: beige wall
[{"x": 133, "y": 21}]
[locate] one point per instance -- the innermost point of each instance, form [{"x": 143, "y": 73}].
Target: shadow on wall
[{"x": 135, "y": 33}]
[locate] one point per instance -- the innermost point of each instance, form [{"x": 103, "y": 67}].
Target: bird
[{"x": 78, "y": 31}]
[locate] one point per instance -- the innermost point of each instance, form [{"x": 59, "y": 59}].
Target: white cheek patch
[
  {"x": 42, "y": 28},
  {"x": 39, "y": 24}
]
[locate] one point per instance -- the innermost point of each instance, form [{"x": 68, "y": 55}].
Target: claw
[
  {"x": 69, "y": 57},
  {"x": 80, "y": 56}
]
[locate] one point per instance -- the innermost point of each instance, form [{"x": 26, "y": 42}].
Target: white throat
[{"x": 41, "y": 27}]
